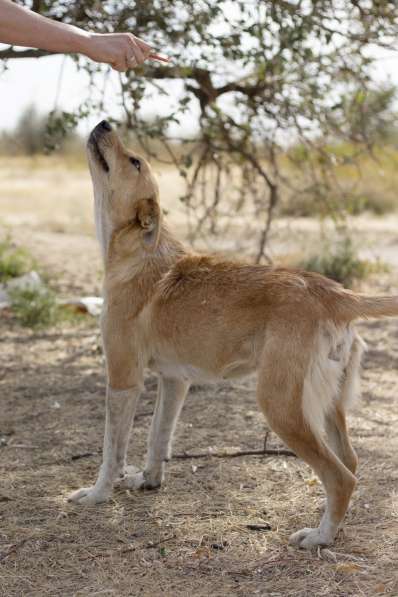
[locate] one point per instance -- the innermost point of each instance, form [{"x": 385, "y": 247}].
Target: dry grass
[
  {"x": 366, "y": 183},
  {"x": 53, "y": 194},
  {"x": 191, "y": 536}
]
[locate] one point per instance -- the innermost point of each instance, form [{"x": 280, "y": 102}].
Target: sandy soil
[{"x": 191, "y": 537}]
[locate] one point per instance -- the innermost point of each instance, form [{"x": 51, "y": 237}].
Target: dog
[{"x": 191, "y": 317}]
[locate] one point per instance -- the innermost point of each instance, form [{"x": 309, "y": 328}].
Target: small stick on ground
[
  {"x": 236, "y": 454},
  {"x": 83, "y": 455}
]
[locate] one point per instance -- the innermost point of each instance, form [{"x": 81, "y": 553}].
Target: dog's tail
[{"x": 349, "y": 306}]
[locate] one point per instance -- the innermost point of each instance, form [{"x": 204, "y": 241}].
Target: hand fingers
[
  {"x": 120, "y": 66},
  {"x": 160, "y": 57},
  {"x": 136, "y": 55},
  {"x": 146, "y": 48},
  {"x": 141, "y": 51},
  {"x": 131, "y": 61}
]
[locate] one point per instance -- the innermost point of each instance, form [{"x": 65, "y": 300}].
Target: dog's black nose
[{"x": 104, "y": 124}]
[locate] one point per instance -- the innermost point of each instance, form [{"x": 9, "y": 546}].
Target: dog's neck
[
  {"x": 131, "y": 272},
  {"x": 103, "y": 225}
]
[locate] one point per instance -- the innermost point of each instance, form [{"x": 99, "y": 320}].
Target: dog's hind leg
[
  {"x": 170, "y": 400},
  {"x": 335, "y": 420},
  {"x": 337, "y": 437},
  {"x": 282, "y": 388}
]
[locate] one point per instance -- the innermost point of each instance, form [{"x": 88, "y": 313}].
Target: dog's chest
[
  {"x": 175, "y": 368},
  {"x": 182, "y": 371}
]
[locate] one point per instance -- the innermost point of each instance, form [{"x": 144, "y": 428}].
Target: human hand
[{"x": 121, "y": 50}]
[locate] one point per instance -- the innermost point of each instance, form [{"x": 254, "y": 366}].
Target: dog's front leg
[
  {"x": 120, "y": 409},
  {"x": 171, "y": 395}
]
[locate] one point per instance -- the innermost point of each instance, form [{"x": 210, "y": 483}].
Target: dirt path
[{"x": 190, "y": 537}]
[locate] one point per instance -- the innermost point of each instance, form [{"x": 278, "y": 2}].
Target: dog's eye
[{"x": 136, "y": 163}]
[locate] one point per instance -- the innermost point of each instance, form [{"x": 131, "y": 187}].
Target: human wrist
[{"x": 79, "y": 40}]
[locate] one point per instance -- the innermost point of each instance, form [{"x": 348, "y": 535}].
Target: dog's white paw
[
  {"x": 130, "y": 470},
  {"x": 309, "y": 538},
  {"x": 140, "y": 480},
  {"x": 133, "y": 481},
  {"x": 88, "y": 496}
]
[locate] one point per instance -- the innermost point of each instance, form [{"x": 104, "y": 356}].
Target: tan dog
[{"x": 190, "y": 317}]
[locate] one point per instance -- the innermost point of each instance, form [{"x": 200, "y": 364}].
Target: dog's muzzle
[{"x": 94, "y": 140}]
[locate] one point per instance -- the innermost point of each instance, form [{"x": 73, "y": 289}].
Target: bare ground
[{"x": 191, "y": 536}]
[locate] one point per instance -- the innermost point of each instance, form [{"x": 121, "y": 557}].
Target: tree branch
[
  {"x": 206, "y": 92},
  {"x": 10, "y": 53}
]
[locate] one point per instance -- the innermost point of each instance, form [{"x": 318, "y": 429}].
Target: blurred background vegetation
[{"x": 289, "y": 113}]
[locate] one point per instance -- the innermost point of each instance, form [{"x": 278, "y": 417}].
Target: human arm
[{"x": 22, "y": 27}]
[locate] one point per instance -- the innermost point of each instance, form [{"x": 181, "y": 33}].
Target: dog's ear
[{"x": 149, "y": 219}]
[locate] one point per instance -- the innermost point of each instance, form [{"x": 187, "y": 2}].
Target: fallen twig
[
  {"x": 236, "y": 454},
  {"x": 225, "y": 454},
  {"x": 259, "y": 527},
  {"x": 83, "y": 455},
  {"x": 23, "y": 446}
]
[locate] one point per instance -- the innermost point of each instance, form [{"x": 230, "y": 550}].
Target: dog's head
[{"x": 125, "y": 190}]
